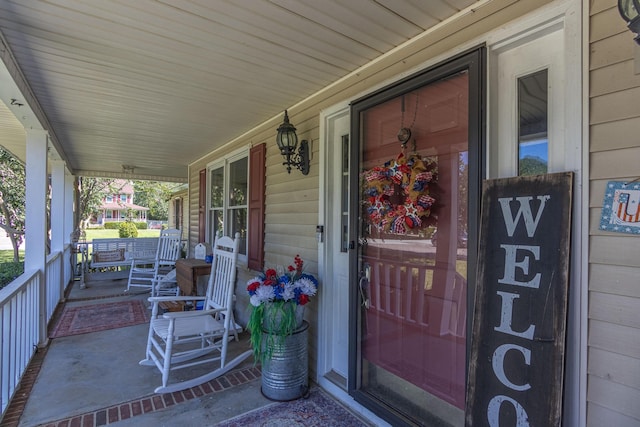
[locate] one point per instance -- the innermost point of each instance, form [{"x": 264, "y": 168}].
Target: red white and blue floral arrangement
[{"x": 277, "y": 302}]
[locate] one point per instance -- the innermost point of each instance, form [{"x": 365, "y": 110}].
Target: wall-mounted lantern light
[
  {"x": 288, "y": 142},
  {"x": 630, "y": 12}
]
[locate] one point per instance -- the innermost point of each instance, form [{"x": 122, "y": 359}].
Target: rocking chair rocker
[{"x": 184, "y": 339}]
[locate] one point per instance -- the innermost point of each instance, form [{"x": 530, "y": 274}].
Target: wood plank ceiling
[{"x": 156, "y": 84}]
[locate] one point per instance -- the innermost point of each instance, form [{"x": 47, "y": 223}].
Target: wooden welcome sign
[{"x": 517, "y": 351}]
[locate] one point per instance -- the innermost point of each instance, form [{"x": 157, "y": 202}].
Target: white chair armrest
[
  {"x": 191, "y": 313},
  {"x": 173, "y": 298}
]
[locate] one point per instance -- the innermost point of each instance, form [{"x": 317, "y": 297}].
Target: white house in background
[{"x": 117, "y": 206}]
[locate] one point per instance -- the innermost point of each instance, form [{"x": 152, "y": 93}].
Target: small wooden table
[{"x": 187, "y": 272}]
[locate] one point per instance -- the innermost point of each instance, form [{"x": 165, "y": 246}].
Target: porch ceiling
[{"x": 156, "y": 84}]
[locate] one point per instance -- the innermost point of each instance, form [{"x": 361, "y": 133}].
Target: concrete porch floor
[{"x": 94, "y": 379}]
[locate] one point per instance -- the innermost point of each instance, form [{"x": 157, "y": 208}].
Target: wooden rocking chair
[
  {"x": 184, "y": 339},
  {"x": 158, "y": 274}
]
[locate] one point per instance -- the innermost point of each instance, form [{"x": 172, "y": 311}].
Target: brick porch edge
[
  {"x": 124, "y": 410},
  {"x": 156, "y": 402},
  {"x": 121, "y": 411}
]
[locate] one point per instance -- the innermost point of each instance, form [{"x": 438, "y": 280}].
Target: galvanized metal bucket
[{"x": 285, "y": 375}]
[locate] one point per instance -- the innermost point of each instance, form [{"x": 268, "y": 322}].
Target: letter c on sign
[
  {"x": 493, "y": 412},
  {"x": 498, "y": 365}
]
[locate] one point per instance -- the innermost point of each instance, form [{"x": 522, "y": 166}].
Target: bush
[
  {"x": 127, "y": 229},
  {"x": 9, "y": 271},
  {"x": 116, "y": 225}
]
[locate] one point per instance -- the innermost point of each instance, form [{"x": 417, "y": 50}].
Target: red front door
[{"x": 412, "y": 262}]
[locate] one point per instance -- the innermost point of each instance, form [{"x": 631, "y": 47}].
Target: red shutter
[
  {"x": 202, "y": 200},
  {"x": 257, "y": 172}
]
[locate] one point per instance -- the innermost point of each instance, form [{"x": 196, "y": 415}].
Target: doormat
[
  {"x": 99, "y": 317},
  {"x": 319, "y": 410}
]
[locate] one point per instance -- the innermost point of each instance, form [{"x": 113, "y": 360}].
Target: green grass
[
  {"x": 6, "y": 255},
  {"x": 113, "y": 234},
  {"x": 9, "y": 270}
]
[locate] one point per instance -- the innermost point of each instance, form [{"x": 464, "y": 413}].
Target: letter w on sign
[{"x": 524, "y": 210}]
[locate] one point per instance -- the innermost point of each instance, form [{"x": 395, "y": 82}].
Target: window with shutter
[
  {"x": 232, "y": 199},
  {"x": 227, "y": 199},
  {"x": 202, "y": 202},
  {"x": 255, "y": 255}
]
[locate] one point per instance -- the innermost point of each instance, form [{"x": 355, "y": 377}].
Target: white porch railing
[
  {"x": 19, "y": 330},
  {"x": 54, "y": 286},
  {"x": 68, "y": 270},
  {"x": 20, "y": 319}
]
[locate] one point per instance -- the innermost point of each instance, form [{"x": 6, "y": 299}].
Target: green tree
[
  {"x": 532, "y": 166},
  {"x": 155, "y": 196},
  {"x": 12, "y": 199},
  {"x": 91, "y": 193}
]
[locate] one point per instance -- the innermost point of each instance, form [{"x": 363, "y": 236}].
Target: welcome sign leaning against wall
[{"x": 517, "y": 354}]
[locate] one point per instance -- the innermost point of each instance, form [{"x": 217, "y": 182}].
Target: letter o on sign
[{"x": 493, "y": 411}]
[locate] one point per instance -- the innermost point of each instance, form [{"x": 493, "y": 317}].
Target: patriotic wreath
[{"x": 397, "y": 195}]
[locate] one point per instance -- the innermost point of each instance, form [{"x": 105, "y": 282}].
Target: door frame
[
  {"x": 325, "y": 257},
  {"x": 566, "y": 16},
  {"x": 324, "y": 270},
  {"x": 474, "y": 62},
  {"x": 574, "y": 16}
]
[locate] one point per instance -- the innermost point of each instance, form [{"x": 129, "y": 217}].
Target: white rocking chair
[
  {"x": 158, "y": 274},
  {"x": 184, "y": 339}
]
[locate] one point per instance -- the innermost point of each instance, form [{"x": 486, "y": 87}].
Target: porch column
[
  {"x": 36, "y": 200},
  {"x": 69, "y": 221},
  {"x": 58, "y": 213},
  {"x": 69, "y": 204},
  {"x": 36, "y": 216}
]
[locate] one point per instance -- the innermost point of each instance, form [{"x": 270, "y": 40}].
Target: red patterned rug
[
  {"x": 319, "y": 410},
  {"x": 99, "y": 317}
]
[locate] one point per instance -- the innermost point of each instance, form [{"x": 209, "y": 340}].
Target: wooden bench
[{"x": 114, "y": 254}]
